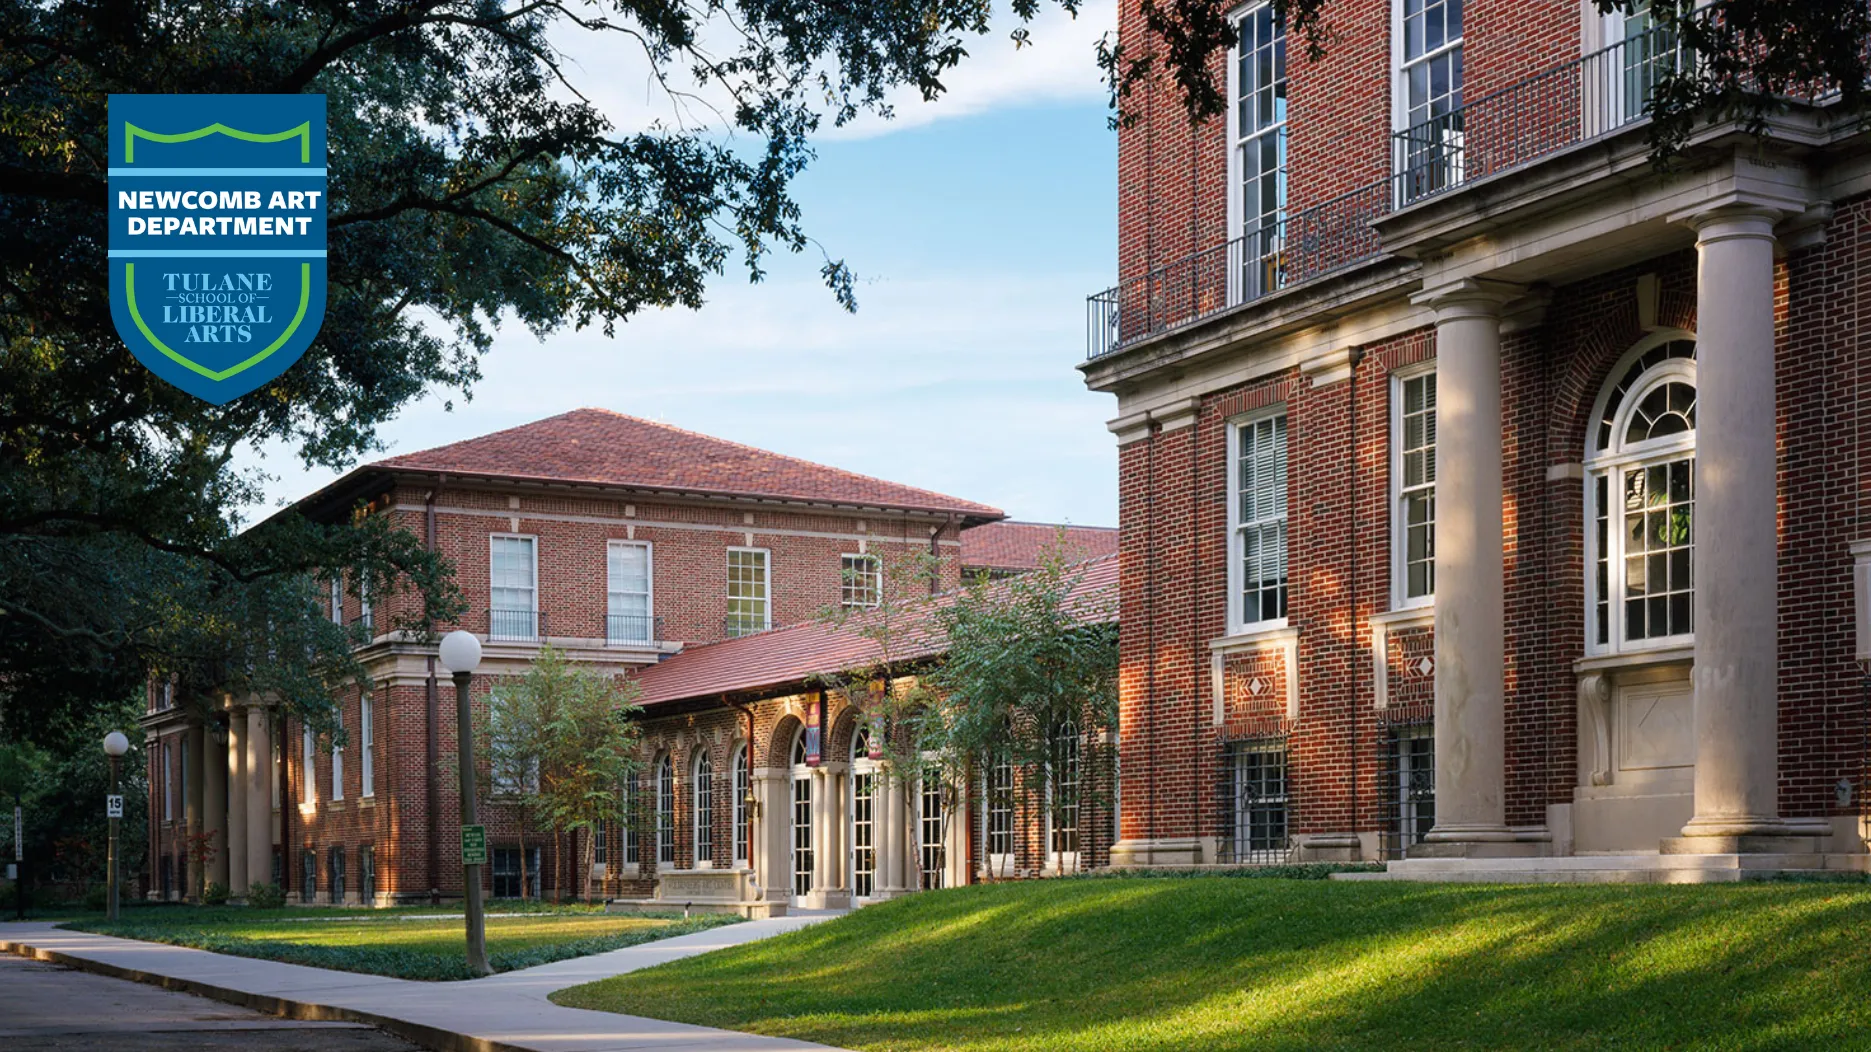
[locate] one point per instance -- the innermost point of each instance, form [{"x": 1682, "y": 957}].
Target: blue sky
[{"x": 976, "y": 227}]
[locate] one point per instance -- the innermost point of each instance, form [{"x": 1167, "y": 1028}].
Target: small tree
[
  {"x": 1030, "y": 672},
  {"x": 563, "y": 739}
]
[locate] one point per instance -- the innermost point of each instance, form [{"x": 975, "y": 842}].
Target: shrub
[
  {"x": 97, "y": 898},
  {"x": 266, "y": 896},
  {"x": 215, "y": 894}
]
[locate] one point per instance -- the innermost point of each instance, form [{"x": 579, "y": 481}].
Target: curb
[{"x": 285, "y": 1008}]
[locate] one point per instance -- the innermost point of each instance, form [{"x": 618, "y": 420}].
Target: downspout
[
  {"x": 430, "y": 700},
  {"x": 1149, "y": 620}
]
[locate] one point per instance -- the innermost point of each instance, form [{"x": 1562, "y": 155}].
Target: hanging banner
[
  {"x": 217, "y": 235},
  {"x": 815, "y": 712}
]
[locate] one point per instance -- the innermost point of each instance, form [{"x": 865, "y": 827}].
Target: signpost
[
  {"x": 474, "y": 845},
  {"x": 113, "y": 806}
]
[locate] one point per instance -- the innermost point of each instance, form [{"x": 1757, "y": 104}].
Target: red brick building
[
  {"x": 625, "y": 544},
  {"x": 1485, "y": 490}
]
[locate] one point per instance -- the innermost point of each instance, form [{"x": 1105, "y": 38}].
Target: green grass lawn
[
  {"x": 1219, "y": 963},
  {"x": 390, "y": 943}
]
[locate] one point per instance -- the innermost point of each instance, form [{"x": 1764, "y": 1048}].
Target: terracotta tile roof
[
  {"x": 789, "y": 655},
  {"x": 1018, "y": 545},
  {"x": 600, "y": 447}
]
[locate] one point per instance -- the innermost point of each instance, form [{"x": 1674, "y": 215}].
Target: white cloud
[{"x": 1059, "y": 64}]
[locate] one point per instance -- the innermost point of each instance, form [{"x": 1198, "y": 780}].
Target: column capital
[
  {"x": 1737, "y": 215},
  {"x": 1469, "y": 298}
]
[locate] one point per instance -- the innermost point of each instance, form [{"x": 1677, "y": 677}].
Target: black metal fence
[
  {"x": 1580, "y": 101},
  {"x": 516, "y": 625},
  {"x": 623, "y": 629},
  {"x": 1408, "y": 793},
  {"x": 1255, "y": 803}
]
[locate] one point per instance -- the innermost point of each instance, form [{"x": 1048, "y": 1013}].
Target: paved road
[{"x": 53, "y": 1008}]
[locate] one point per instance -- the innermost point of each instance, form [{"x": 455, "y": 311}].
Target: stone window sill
[{"x": 1676, "y": 655}]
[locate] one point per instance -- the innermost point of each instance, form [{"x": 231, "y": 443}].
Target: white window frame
[
  {"x": 846, "y": 573},
  {"x": 742, "y": 786},
  {"x": 633, "y": 837},
  {"x": 801, "y": 880},
  {"x": 649, "y": 590},
  {"x": 1000, "y": 863},
  {"x": 308, "y": 782},
  {"x": 1237, "y": 614},
  {"x": 367, "y": 741},
  {"x": 862, "y": 766},
  {"x": 1400, "y": 599},
  {"x": 665, "y": 788},
  {"x": 1399, "y": 79},
  {"x": 337, "y": 759},
  {"x": 702, "y": 812},
  {"x": 1612, "y": 466},
  {"x": 1066, "y": 861},
  {"x": 337, "y": 600},
  {"x": 533, "y": 548},
  {"x": 929, "y": 785},
  {"x": 1237, "y": 217},
  {"x": 766, "y": 583}
]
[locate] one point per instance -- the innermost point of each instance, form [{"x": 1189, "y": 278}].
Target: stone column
[
  {"x": 1471, "y": 813},
  {"x": 767, "y": 853},
  {"x": 259, "y": 772},
  {"x": 236, "y": 775},
  {"x": 194, "y": 749},
  {"x": 214, "y": 803},
  {"x": 1737, "y": 580},
  {"x": 891, "y": 838}
]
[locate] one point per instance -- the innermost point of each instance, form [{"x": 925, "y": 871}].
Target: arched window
[
  {"x": 740, "y": 805},
  {"x": 802, "y": 816},
  {"x": 1640, "y": 500},
  {"x": 1062, "y": 777},
  {"x": 704, "y": 810},
  {"x": 666, "y": 812},
  {"x": 863, "y": 812}
]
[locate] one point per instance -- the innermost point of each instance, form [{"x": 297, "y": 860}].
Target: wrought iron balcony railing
[
  {"x": 1587, "y": 98},
  {"x": 366, "y": 624},
  {"x": 627, "y": 629},
  {"x": 524, "y": 626}
]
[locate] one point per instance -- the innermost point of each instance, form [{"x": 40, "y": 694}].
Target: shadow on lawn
[{"x": 1160, "y": 965}]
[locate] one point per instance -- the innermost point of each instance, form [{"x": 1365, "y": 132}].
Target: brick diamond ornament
[
  {"x": 1257, "y": 686},
  {"x": 1425, "y": 665}
]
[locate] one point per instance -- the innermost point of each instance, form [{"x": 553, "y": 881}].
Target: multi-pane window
[
  {"x": 1430, "y": 95},
  {"x": 704, "y": 810},
  {"x": 1259, "y": 514},
  {"x": 631, "y": 821},
  {"x": 168, "y": 782},
  {"x": 1257, "y": 790},
  {"x": 802, "y": 818},
  {"x": 334, "y": 868},
  {"x": 863, "y": 580},
  {"x": 1260, "y": 147},
  {"x": 999, "y": 810},
  {"x": 1062, "y": 771},
  {"x": 1409, "y": 792},
  {"x": 337, "y": 600},
  {"x": 308, "y": 874},
  {"x": 666, "y": 812},
  {"x": 337, "y": 760},
  {"x": 1415, "y": 516},
  {"x": 367, "y": 746},
  {"x": 1641, "y": 496},
  {"x": 740, "y": 805},
  {"x": 747, "y": 591},
  {"x": 367, "y": 874},
  {"x": 931, "y": 849},
  {"x": 628, "y": 617},
  {"x": 513, "y": 588},
  {"x": 863, "y": 816},
  {"x": 512, "y": 871}
]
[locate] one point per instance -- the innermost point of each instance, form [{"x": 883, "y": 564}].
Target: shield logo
[{"x": 217, "y": 235}]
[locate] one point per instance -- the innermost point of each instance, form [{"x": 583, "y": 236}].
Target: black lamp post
[
  {"x": 115, "y": 745},
  {"x": 460, "y": 654}
]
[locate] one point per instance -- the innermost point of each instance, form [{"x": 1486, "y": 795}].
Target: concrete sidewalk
[{"x": 503, "y": 1013}]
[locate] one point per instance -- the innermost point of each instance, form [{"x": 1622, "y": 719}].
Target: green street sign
[{"x": 474, "y": 845}]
